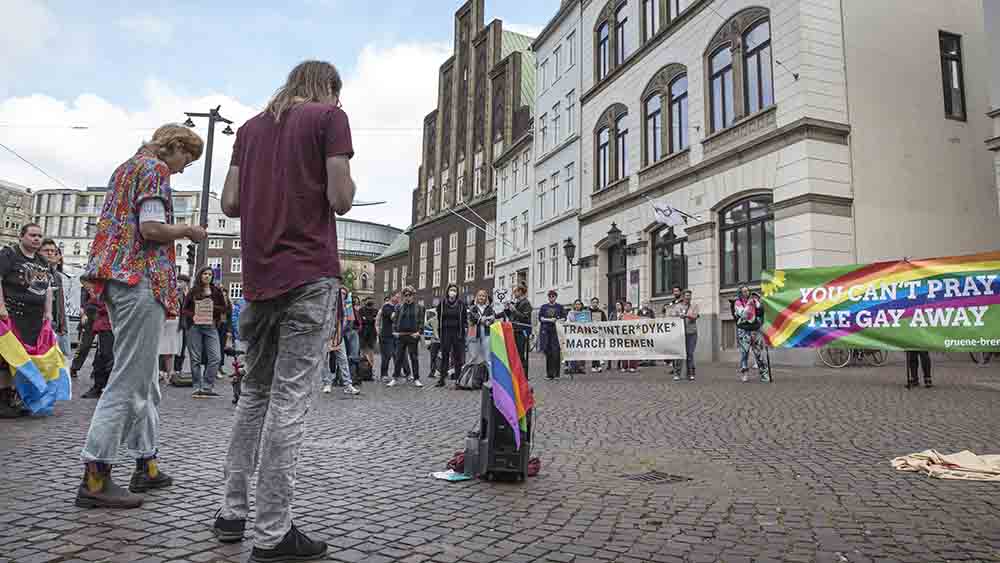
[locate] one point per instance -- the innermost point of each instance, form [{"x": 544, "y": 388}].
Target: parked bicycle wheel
[
  {"x": 878, "y": 358},
  {"x": 834, "y": 357}
]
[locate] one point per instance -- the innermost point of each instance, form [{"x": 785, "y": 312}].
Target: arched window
[
  {"x": 621, "y": 35},
  {"x": 621, "y": 148},
  {"x": 603, "y": 55},
  {"x": 679, "y": 114},
  {"x": 746, "y": 232},
  {"x": 721, "y": 88},
  {"x": 759, "y": 84},
  {"x": 654, "y": 128},
  {"x": 669, "y": 261},
  {"x": 603, "y": 158}
]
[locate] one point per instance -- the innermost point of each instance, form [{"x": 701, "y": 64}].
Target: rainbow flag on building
[
  {"x": 39, "y": 370},
  {"x": 940, "y": 304},
  {"x": 511, "y": 393}
]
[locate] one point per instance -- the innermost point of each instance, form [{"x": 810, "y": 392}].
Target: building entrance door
[{"x": 617, "y": 277}]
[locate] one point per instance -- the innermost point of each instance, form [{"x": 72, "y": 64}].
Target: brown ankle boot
[
  {"x": 147, "y": 476},
  {"x": 97, "y": 490}
]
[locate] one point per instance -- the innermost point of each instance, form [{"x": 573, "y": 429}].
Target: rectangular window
[
  {"x": 503, "y": 239},
  {"x": 470, "y": 245},
  {"x": 236, "y": 265},
  {"x": 235, "y": 290},
  {"x": 541, "y": 269},
  {"x": 524, "y": 231},
  {"x": 952, "y": 76},
  {"x": 543, "y": 70},
  {"x": 403, "y": 272},
  {"x": 571, "y": 49},
  {"x": 513, "y": 234},
  {"x": 452, "y": 241},
  {"x": 422, "y": 280},
  {"x": 470, "y": 271},
  {"x": 503, "y": 184},
  {"x": 385, "y": 282},
  {"x": 621, "y": 27},
  {"x": 557, "y": 66},
  {"x": 215, "y": 243},
  {"x": 571, "y": 113},
  {"x": 543, "y": 132},
  {"x": 651, "y": 18},
  {"x": 554, "y": 264},
  {"x": 395, "y": 279},
  {"x": 554, "y": 182},
  {"x": 569, "y": 271},
  {"x": 215, "y": 263},
  {"x": 423, "y": 250},
  {"x": 237, "y": 245},
  {"x": 570, "y": 186},
  {"x": 513, "y": 178},
  {"x": 526, "y": 158},
  {"x": 488, "y": 269},
  {"x": 477, "y": 174},
  {"x": 437, "y": 246},
  {"x": 460, "y": 188},
  {"x": 541, "y": 202},
  {"x": 556, "y": 134},
  {"x": 220, "y": 223},
  {"x": 437, "y": 278},
  {"x": 452, "y": 274}
]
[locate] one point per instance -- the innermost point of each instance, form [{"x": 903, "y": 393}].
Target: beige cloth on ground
[{"x": 964, "y": 465}]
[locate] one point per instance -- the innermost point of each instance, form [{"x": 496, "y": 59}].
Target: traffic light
[{"x": 190, "y": 255}]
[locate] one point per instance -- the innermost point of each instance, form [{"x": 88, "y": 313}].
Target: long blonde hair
[{"x": 310, "y": 81}]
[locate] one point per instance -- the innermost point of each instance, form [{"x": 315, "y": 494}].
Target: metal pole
[{"x": 203, "y": 245}]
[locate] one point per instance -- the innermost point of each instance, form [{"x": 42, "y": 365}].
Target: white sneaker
[
  {"x": 416, "y": 383},
  {"x": 392, "y": 383},
  {"x": 677, "y": 378},
  {"x": 744, "y": 378},
  {"x": 351, "y": 390},
  {"x": 327, "y": 388}
]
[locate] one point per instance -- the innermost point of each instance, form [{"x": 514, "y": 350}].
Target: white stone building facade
[
  {"x": 796, "y": 133},
  {"x": 515, "y": 174},
  {"x": 556, "y": 190}
]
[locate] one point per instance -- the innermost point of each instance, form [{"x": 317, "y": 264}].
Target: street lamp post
[
  {"x": 214, "y": 117},
  {"x": 569, "y": 251}
]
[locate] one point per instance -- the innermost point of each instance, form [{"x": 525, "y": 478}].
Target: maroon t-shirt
[{"x": 288, "y": 230}]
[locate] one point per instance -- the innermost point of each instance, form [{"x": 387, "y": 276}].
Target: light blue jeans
[
  {"x": 129, "y": 406},
  {"x": 206, "y": 356},
  {"x": 64, "y": 346}
]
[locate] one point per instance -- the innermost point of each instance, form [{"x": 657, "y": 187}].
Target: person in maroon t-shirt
[{"x": 290, "y": 174}]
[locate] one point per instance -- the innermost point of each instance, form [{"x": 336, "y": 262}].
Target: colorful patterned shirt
[{"x": 119, "y": 253}]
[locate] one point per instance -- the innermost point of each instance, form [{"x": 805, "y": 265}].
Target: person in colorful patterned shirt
[{"x": 131, "y": 268}]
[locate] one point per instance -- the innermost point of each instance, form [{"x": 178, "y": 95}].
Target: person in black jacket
[
  {"x": 369, "y": 336},
  {"x": 519, "y": 314},
  {"x": 407, "y": 322},
  {"x": 452, "y": 325}
]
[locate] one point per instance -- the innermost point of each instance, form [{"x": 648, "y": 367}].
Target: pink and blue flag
[
  {"x": 511, "y": 393},
  {"x": 39, "y": 369}
]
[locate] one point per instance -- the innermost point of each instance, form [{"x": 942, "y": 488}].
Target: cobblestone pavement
[{"x": 795, "y": 471}]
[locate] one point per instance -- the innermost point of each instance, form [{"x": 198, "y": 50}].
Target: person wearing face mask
[
  {"x": 548, "y": 341},
  {"x": 452, "y": 324}
]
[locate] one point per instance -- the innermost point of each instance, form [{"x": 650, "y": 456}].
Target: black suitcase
[{"x": 499, "y": 458}]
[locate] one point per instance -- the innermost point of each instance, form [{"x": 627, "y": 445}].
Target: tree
[{"x": 350, "y": 277}]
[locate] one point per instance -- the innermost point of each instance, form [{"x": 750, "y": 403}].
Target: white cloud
[
  {"x": 29, "y": 28},
  {"x": 387, "y": 95},
  {"x": 147, "y": 28},
  {"x": 523, "y": 28}
]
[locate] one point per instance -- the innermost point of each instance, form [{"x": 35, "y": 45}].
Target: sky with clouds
[{"x": 84, "y": 82}]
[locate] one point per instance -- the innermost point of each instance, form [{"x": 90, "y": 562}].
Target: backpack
[{"x": 473, "y": 376}]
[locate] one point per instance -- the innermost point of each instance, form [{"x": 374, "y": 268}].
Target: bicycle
[{"x": 840, "y": 357}]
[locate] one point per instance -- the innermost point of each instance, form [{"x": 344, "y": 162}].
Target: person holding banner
[
  {"x": 578, "y": 315},
  {"x": 628, "y": 314},
  {"x": 548, "y": 340},
  {"x": 597, "y": 315},
  {"x": 749, "y": 314},
  {"x": 913, "y": 359},
  {"x": 688, "y": 311}
]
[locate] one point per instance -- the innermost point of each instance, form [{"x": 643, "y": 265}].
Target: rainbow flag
[
  {"x": 940, "y": 304},
  {"x": 39, "y": 370},
  {"x": 511, "y": 393}
]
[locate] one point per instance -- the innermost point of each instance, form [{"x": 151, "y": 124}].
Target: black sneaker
[
  {"x": 295, "y": 546},
  {"x": 92, "y": 393},
  {"x": 228, "y": 531}
]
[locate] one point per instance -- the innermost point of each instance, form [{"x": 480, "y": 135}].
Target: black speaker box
[{"x": 499, "y": 458}]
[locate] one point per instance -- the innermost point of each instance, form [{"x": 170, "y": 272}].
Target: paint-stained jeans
[
  {"x": 129, "y": 407},
  {"x": 752, "y": 342},
  {"x": 287, "y": 341}
]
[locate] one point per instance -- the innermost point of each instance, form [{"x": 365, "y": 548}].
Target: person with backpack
[{"x": 749, "y": 315}]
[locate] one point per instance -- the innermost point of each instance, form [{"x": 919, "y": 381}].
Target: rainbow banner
[
  {"x": 39, "y": 371},
  {"x": 511, "y": 393},
  {"x": 940, "y": 304}
]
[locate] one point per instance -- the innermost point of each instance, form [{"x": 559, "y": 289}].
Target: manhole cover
[{"x": 655, "y": 477}]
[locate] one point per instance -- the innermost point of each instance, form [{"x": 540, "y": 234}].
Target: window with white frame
[
  {"x": 503, "y": 183},
  {"x": 453, "y": 258},
  {"x": 237, "y": 245},
  {"x": 437, "y": 279},
  {"x": 460, "y": 184},
  {"x": 470, "y": 271},
  {"x": 470, "y": 254},
  {"x": 556, "y": 133},
  {"x": 571, "y": 49},
  {"x": 430, "y": 196},
  {"x": 570, "y": 185},
  {"x": 488, "y": 269},
  {"x": 385, "y": 281},
  {"x": 235, "y": 290},
  {"x": 554, "y": 264},
  {"x": 540, "y": 205},
  {"x": 556, "y": 63},
  {"x": 541, "y": 269},
  {"x": 570, "y": 113},
  {"x": 513, "y": 235},
  {"x": 569, "y": 271},
  {"x": 215, "y": 263},
  {"x": 526, "y": 160},
  {"x": 404, "y": 270},
  {"x": 503, "y": 238},
  {"x": 524, "y": 231},
  {"x": 544, "y": 71},
  {"x": 477, "y": 174},
  {"x": 445, "y": 176},
  {"x": 395, "y": 279},
  {"x": 236, "y": 265},
  {"x": 489, "y": 252},
  {"x": 215, "y": 243},
  {"x": 422, "y": 280},
  {"x": 515, "y": 168},
  {"x": 221, "y": 224},
  {"x": 437, "y": 262},
  {"x": 554, "y": 182},
  {"x": 543, "y": 132},
  {"x": 452, "y": 273}
]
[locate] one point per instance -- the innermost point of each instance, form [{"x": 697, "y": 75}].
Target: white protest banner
[{"x": 643, "y": 339}]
